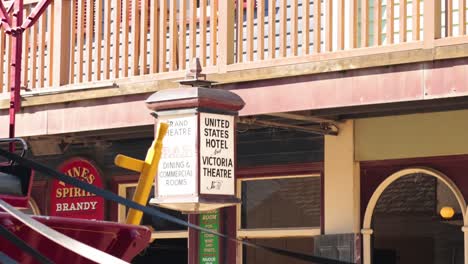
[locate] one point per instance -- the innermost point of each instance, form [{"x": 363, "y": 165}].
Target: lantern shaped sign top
[{"x": 196, "y": 172}]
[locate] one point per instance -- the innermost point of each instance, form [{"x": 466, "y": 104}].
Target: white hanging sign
[
  {"x": 177, "y": 170},
  {"x": 217, "y": 161}
]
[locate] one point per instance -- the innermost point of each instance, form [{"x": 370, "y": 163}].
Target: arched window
[{"x": 425, "y": 188}]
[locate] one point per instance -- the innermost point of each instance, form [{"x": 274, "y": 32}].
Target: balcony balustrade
[{"x": 91, "y": 41}]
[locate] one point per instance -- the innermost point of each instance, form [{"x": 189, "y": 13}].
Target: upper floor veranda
[{"x": 90, "y": 44}]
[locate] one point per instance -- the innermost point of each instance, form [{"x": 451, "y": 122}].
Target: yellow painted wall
[{"x": 409, "y": 136}]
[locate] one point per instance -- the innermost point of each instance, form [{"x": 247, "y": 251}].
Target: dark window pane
[
  {"x": 174, "y": 251},
  {"x": 278, "y": 203},
  {"x": 254, "y": 255},
  {"x": 163, "y": 225},
  {"x": 156, "y": 222}
]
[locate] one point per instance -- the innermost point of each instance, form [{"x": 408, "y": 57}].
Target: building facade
[{"x": 351, "y": 142}]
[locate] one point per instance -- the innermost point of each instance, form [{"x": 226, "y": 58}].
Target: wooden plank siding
[{"x": 114, "y": 39}]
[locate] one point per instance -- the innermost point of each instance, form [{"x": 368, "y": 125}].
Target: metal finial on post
[
  {"x": 195, "y": 70},
  {"x": 194, "y": 76}
]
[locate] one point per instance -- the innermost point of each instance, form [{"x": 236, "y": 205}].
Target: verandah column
[
  {"x": 341, "y": 183},
  {"x": 465, "y": 241}
]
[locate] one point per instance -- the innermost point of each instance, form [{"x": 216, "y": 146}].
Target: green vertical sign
[{"x": 209, "y": 244}]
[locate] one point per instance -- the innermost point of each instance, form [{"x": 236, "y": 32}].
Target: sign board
[
  {"x": 177, "y": 169},
  {"x": 196, "y": 172},
  {"x": 70, "y": 201},
  {"x": 217, "y": 154},
  {"x": 202, "y": 124},
  {"x": 209, "y": 243}
]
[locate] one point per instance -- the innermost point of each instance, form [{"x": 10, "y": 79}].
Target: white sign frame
[
  {"x": 180, "y": 151},
  {"x": 217, "y": 154}
]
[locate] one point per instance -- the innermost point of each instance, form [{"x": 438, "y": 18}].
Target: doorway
[{"x": 406, "y": 224}]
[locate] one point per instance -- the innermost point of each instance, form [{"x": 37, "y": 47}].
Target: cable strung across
[{"x": 108, "y": 195}]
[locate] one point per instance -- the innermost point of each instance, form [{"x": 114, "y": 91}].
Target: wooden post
[
  {"x": 163, "y": 34},
  {"x": 202, "y": 34},
  {"x": 305, "y": 27},
  {"x": 402, "y": 37},
  {"x": 240, "y": 28},
  {"x": 250, "y": 29},
  {"x": 364, "y": 23},
  {"x": 98, "y": 36},
  {"x": 144, "y": 18},
  {"x": 116, "y": 56},
  {"x": 193, "y": 30},
  {"x": 183, "y": 34},
  {"x": 80, "y": 40},
  {"x": 415, "y": 20},
  {"x": 61, "y": 54},
  {"x": 261, "y": 30},
  {"x": 226, "y": 34},
  {"x": 462, "y": 19},
  {"x": 107, "y": 39},
  {"x": 173, "y": 32},
  {"x": 317, "y": 26},
  {"x": 272, "y": 29},
  {"x": 390, "y": 21},
  {"x": 193, "y": 238},
  {"x": 366, "y": 244},
  {"x": 50, "y": 39},
  {"x": 283, "y": 28},
  {"x": 448, "y": 18},
  {"x": 431, "y": 22},
  {"x": 154, "y": 36},
  {"x": 377, "y": 22},
  {"x": 42, "y": 43},
  {"x": 341, "y": 25},
  {"x": 328, "y": 25},
  {"x": 294, "y": 27},
  {"x": 352, "y": 9},
  {"x": 89, "y": 31}
]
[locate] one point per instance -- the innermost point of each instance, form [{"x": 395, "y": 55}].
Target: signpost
[
  {"x": 209, "y": 243},
  {"x": 197, "y": 168}
]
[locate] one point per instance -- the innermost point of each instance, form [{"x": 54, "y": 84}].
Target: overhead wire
[{"x": 108, "y": 195}]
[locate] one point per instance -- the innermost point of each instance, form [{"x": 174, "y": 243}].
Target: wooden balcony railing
[{"x": 80, "y": 41}]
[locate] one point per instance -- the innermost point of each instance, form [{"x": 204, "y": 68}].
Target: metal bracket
[{"x": 321, "y": 129}]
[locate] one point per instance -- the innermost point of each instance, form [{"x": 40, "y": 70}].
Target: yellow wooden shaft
[{"x": 148, "y": 174}]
